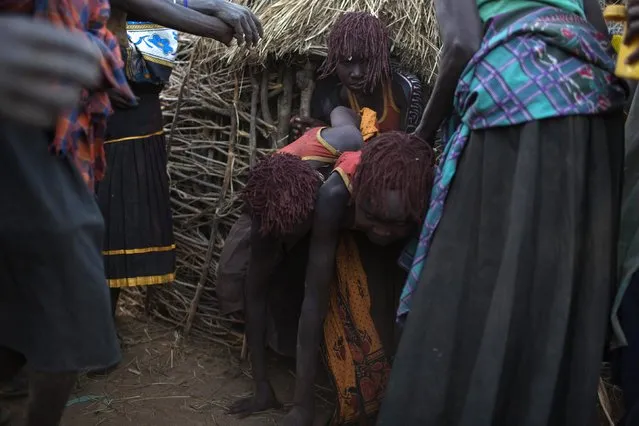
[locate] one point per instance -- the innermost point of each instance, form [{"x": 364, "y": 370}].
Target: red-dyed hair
[
  {"x": 363, "y": 35},
  {"x": 280, "y": 192},
  {"x": 395, "y": 161}
]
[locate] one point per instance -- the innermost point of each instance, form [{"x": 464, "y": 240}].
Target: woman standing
[
  {"x": 139, "y": 249},
  {"x": 507, "y": 302}
]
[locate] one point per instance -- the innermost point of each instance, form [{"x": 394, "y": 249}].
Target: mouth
[
  {"x": 379, "y": 240},
  {"x": 357, "y": 85}
]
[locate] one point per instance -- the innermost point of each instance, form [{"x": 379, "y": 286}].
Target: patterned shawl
[
  {"x": 80, "y": 133},
  {"x": 539, "y": 64}
]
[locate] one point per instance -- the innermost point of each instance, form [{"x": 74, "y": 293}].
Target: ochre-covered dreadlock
[
  {"x": 280, "y": 192},
  {"x": 395, "y": 161},
  {"x": 360, "y": 35}
]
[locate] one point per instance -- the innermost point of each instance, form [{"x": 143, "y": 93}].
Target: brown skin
[
  {"x": 37, "y": 54},
  {"x": 352, "y": 74},
  {"x": 217, "y": 19},
  {"x": 461, "y": 32},
  {"x": 266, "y": 254},
  {"x": 332, "y": 215}
]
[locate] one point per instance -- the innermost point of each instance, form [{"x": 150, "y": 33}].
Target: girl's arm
[
  {"x": 331, "y": 205},
  {"x": 246, "y": 25},
  {"x": 177, "y": 17},
  {"x": 461, "y": 31}
]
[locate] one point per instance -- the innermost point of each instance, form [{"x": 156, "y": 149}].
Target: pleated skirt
[
  {"x": 139, "y": 247},
  {"x": 508, "y": 324}
]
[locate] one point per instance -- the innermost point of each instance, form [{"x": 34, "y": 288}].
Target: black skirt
[
  {"x": 139, "y": 248},
  {"x": 508, "y": 324},
  {"x": 54, "y": 306}
]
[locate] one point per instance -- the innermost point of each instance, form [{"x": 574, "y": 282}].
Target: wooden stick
[
  {"x": 244, "y": 351},
  {"x": 178, "y": 104},
  {"x": 266, "y": 110},
  {"x": 255, "y": 93},
  {"x": 228, "y": 176},
  {"x": 306, "y": 83},
  {"x": 284, "y": 106}
]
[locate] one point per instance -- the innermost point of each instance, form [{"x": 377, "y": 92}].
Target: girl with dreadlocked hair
[
  {"x": 280, "y": 195},
  {"x": 359, "y": 56},
  {"x": 380, "y": 191}
]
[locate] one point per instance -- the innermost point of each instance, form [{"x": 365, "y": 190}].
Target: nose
[{"x": 356, "y": 71}]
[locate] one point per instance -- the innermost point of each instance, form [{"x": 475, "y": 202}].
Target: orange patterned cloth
[
  {"x": 354, "y": 351},
  {"x": 80, "y": 133},
  {"x": 312, "y": 146},
  {"x": 368, "y": 124}
]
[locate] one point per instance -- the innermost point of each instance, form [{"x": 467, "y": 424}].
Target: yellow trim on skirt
[
  {"x": 132, "y": 138},
  {"x": 144, "y": 250},
  {"x": 141, "y": 281}
]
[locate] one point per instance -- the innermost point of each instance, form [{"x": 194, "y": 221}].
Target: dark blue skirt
[
  {"x": 139, "y": 248},
  {"x": 508, "y": 324},
  {"x": 54, "y": 304}
]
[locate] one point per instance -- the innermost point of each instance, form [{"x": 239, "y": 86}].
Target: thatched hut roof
[{"x": 300, "y": 27}]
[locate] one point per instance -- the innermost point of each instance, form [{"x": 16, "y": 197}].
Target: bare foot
[
  {"x": 298, "y": 416},
  {"x": 263, "y": 399}
]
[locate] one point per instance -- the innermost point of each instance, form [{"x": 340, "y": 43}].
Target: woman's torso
[
  {"x": 388, "y": 113},
  {"x": 491, "y": 8}
]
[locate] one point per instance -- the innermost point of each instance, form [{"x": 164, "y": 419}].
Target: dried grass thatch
[
  {"x": 294, "y": 28},
  {"x": 226, "y": 107}
]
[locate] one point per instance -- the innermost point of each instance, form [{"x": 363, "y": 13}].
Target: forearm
[
  {"x": 207, "y": 7},
  {"x": 594, "y": 15},
  {"x": 440, "y": 103},
  {"x": 168, "y": 14},
  {"x": 461, "y": 30},
  {"x": 320, "y": 270},
  {"x": 332, "y": 201}
]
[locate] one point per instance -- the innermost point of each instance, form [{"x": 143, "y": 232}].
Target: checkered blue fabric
[{"x": 547, "y": 63}]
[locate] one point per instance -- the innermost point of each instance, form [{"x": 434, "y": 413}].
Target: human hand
[
  {"x": 300, "y": 125},
  {"x": 119, "y": 101},
  {"x": 245, "y": 24},
  {"x": 632, "y": 30},
  {"x": 43, "y": 70}
]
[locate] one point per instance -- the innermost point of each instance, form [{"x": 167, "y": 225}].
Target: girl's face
[
  {"x": 353, "y": 73},
  {"x": 383, "y": 228}
]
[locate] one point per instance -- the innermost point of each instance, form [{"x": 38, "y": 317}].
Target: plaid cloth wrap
[
  {"x": 538, "y": 64},
  {"x": 80, "y": 132}
]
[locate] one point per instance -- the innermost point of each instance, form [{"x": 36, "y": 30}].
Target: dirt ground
[{"x": 162, "y": 383}]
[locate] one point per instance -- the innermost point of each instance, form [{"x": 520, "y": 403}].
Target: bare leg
[
  {"x": 264, "y": 258},
  {"x": 48, "y": 396}
]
